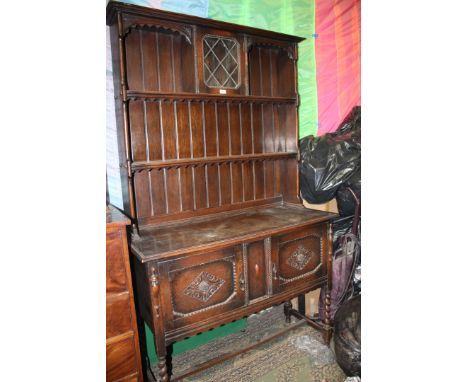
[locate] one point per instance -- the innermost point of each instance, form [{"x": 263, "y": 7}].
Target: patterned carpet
[{"x": 296, "y": 356}]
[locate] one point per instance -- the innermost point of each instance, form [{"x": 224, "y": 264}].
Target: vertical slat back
[{"x": 163, "y": 129}]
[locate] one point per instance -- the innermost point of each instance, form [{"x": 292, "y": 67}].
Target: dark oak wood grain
[{"x": 207, "y": 116}]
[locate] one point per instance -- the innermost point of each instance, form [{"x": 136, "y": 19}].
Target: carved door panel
[
  {"x": 257, "y": 265},
  {"x": 298, "y": 257},
  {"x": 200, "y": 286}
]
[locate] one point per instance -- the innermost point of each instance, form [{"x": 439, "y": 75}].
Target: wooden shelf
[
  {"x": 138, "y": 166},
  {"x": 198, "y": 97}
]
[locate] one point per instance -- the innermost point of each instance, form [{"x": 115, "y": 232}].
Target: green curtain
[{"x": 295, "y": 17}]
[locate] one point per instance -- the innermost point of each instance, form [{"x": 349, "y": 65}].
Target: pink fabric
[{"x": 338, "y": 60}]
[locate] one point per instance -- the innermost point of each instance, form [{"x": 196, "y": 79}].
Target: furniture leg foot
[
  {"x": 301, "y": 304},
  {"x": 287, "y": 311},
  {"x": 162, "y": 367}
]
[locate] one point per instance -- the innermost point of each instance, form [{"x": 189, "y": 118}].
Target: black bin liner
[
  {"x": 345, "y": 199},
  {"x": 347, "y": 336},
  {"x": 330, "y": 160}
]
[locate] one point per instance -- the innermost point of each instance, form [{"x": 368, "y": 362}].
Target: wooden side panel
[
  {"x": 257, "y": 128},
  {"x": 265, "y": 59},
  {"x": 248, "y": 177},
  {"x": 168, "y": 130},
  {"x": 197, "y": 128},
  {"x": 255, "y": 75},
  {"x": 213, "y": 185},
  {"x": 237, "y": 183},
  {"x": 200, "y": 187},
  {"x": 211, "y": 129},
  {"x": 173, "y": 190},
  {"x": 166, "y": 69},
  {"x": 246, "y": 131},
  {"x": 118, "y": 317},
  {"x": 275, "y": 89},
  {"x": 183, "y": 130},
  {"x": 149, "y": 58},
  {"x": 143, "y": 194},
  {"x": 225, "y": 183},
  {"x": 137, "y": 128},
  {"x": 116, "y": 281},
  {"x": 286, "y": 79},
  {"x": 133, "y": 60},
  {"x": 186, "y": 189},
  {"x": 153, "y": 131},
  {"x": 158, "y": 189},
  {"x": 223, "y": 129}
]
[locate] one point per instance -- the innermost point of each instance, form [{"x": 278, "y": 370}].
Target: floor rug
[{"x": 296, "y": 356}]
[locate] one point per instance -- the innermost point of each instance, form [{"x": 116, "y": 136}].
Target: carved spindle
[
  {"x": 155, "y": 289},
  {"x": 328, "y": 331},
  {"x": 287, "y": 311},
  {"x": 162, "y": 367}
]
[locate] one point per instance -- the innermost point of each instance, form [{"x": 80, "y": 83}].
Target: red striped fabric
[{"x": 338, "y": 60}]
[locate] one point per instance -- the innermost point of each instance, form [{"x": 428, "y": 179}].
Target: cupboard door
[
  {"x": 200, "y": 286},
  {"x": 298, "y": 257},
  {"x": 257, "y": 269}
]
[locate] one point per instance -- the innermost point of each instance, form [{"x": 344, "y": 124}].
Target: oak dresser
[{"x": 207, "y": 116}]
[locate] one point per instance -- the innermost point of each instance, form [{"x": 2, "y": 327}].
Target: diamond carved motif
[
  {"x": 204, "y": 286},
  {"x": 299, "y": 258}
]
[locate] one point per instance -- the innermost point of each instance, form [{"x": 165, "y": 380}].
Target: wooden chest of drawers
[{"x": 123, "y": 362}]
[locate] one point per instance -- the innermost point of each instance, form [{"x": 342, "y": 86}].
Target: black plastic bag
[
  {"x": 344, "y": 198},
  {"x": 330, "y": 160},
  {"x": 341, "y": 226},
  {"x": 347, "y": 336}
]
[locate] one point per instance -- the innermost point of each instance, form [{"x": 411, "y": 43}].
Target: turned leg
[
  {"x": 301, "y": 304},
  {"x": 287, "y": 311},
  {"x": 162, "y": 369},
  {"x": 328, "y": 331}
]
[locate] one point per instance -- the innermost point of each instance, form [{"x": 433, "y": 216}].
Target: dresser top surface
[{"x": 156, "y": 242}]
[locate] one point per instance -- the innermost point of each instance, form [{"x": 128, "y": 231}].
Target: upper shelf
[
  {"x": 156, "y": 96},
  {"x": 142, "y": 165}
]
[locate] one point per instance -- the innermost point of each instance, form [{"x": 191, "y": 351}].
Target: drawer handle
[
  {"x": 242, "y": 282},
  {"x": 275, "y": 277}
]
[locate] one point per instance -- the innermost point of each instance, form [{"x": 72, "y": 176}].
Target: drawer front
[
  {"x": 200, "y": 286},
  {"x": 299, "y": 256},
  {"x": 116, "y": 281},
  {"x": 120, "y": 359},
  {"x": 118, "y": 317}
]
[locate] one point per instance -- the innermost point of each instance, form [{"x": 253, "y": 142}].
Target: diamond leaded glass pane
[{"x": 221, "y": 62}]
